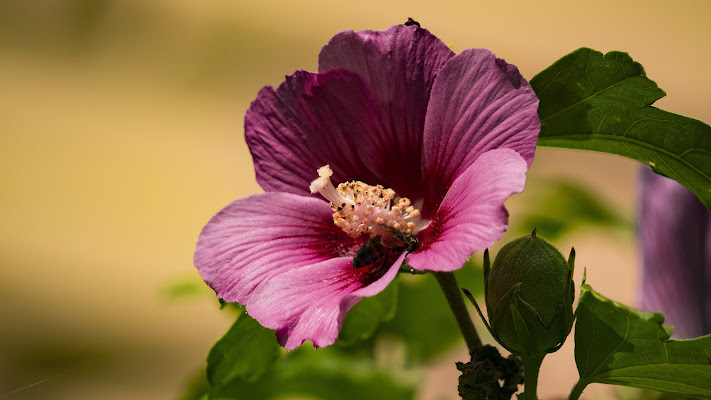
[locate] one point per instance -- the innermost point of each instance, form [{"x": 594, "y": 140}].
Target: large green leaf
[
  {"x": 246, "y": 352},
  {"x": 321, "y": 374},
  {"x": 619, "y": 345},
  {"x": 602, "y": 103}
]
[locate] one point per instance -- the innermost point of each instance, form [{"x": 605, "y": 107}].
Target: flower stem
[
  {"x": 577, "y": 390},
  {"x": 453, "y": 293},
  {"x": 531, "y": 367}
]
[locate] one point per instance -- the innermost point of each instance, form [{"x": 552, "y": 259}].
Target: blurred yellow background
[{"x": 121, "y": 126}]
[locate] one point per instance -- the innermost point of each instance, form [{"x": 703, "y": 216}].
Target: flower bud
[{"x": 529, "y": 296}]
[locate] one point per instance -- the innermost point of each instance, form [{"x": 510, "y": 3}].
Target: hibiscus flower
[
  {"x": 424, "y": 147},
  {"x": 674, "y": 238}
]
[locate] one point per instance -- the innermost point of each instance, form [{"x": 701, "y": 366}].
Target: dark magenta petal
[
  {"x": 309, "y": 121},
  {"x": 258, "y": 237},
  {"x": 310, "y": 302},
  {"x": 472, "y": 215},
  {"x": 399, "y": 65},
  {"x": 675, "y": 240},
  {"x": 478, "y": 103}
]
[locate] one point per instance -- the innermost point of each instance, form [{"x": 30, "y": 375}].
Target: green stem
[
  {"x": 453, "y": 293},
  {"x": 531, "y": 367},
  {"x": 577, "y": 390}
]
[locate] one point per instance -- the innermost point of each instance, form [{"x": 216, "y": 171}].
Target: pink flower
[
  {"x": 674, "y": 238},
  {"x": 426, "y": 145}
]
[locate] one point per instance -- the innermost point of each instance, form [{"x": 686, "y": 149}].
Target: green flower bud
[{"x": 529, "y": 296}]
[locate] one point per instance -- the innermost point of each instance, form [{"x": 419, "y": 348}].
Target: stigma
[{"x": 360, "y": 208}]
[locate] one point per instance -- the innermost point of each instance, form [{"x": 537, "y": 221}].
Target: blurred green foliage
[
  {"x": 558, "y": 207},
  {"x": 423, "y": 320},
  {"x": 323, "y": 374},
  {"x": 186, "y": 288},
  {"x": 363, "y": 319}
]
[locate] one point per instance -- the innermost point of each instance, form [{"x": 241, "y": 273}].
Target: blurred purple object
[{"x": 675, "y": 241}]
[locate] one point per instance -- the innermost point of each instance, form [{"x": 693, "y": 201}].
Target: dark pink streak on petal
[
  {"x": 472, "y": 215},
  {"x": 399, "y": 65},
  {"x": 309, "y": 121},
  {"x": 342, "y": 117},
  {"x": 258, "y": 237},
  {"x": 478, "y": 103},
  {"x": 675, "y": 241},
  {"x": 310, "y": 302}
]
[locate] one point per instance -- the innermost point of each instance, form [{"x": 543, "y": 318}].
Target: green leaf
[
  {"x": 246, "y": 352},
  {"x": 196, "y": 387},
  {"x": 602, "y": 103},
  {"x": 364, "y": 318},
  {"x": 321, "y": 374},
  {"x": 618, "y": 345}
]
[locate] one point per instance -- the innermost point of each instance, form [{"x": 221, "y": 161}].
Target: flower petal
[
  {"x": 674, "y": 237},
  {"x": 310, "y": 302},
  {"x": 472, "y": 215},
  {"x": 309, "y": 121},
  {"x": 478, "y": 103},
  {"x": 399, "y": 65},
  {"x": 258, "y": 237}
]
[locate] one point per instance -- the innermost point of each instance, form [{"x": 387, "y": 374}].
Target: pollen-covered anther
[{"x": 360, "y": 208}]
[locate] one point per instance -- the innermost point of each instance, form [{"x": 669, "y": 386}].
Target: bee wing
[{"x": 391, "y": 242}]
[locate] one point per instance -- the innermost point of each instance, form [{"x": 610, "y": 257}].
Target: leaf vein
[
  {"x": 566, "y": 108},
  {"x": 587, "y": 136},
  {"x": 622, "y": 340}
]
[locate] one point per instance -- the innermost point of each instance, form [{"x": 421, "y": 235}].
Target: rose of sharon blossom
[
  {"x": 675, "y": 242},
  {"x": 395, "y": 138}
]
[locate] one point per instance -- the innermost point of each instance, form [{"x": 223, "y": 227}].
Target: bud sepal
[{"x": 529, "y": 296}]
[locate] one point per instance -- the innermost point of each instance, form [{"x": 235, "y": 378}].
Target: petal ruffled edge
[
  {"x": 310, "y": 302},
  {"x": 478, "y": 103},
  {"x": 472, "y": 215}
]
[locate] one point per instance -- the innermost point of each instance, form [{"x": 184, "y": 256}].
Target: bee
[{"x": 377, "y": 249}]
